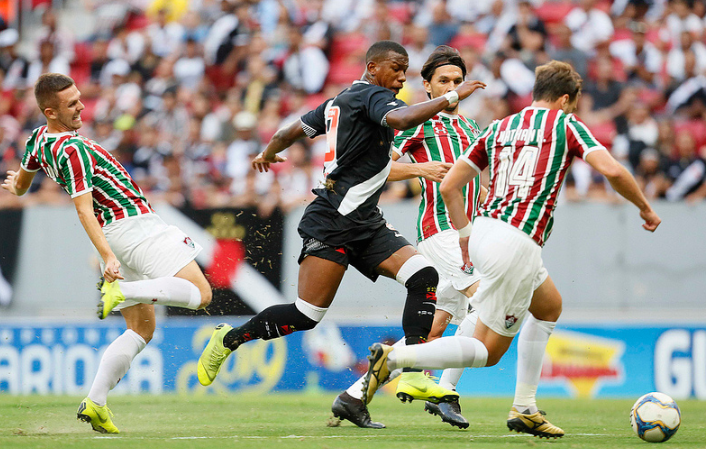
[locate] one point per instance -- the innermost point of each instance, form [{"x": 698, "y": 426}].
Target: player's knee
[
  {"x": 425, "y": 279},
  {"x": 145, "y": 329},
  {"x": 493, "y": 359}
]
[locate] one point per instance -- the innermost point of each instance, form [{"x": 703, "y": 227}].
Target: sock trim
[
  {"x": 310, "y": 311},
  {"x": 410, "y": 267}
]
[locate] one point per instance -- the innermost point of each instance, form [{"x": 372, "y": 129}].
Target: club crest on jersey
[
  {"x": 510, "y": 321},
  {"x": 439, "y": 128},
  {"x": 188, "y": 242},
  {"x": 392, "y": 228}
]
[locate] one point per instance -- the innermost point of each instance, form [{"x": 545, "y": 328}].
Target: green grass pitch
[{"x": 299, "y": 421}]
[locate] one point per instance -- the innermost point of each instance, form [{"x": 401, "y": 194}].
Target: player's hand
[
  {"x": 468, "y": 87},
  {"x": 463, "y": 243},
  {"x": 112, "y": 270},
  {"x": 260, "y": 163},
  {"x": 651, "y": 218},
  {"x": 435, "y": 171},
  {"x": 9, "y": 182}
]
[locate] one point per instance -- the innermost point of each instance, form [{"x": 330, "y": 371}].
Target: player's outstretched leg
[
  {"x": 449, "y": 412},
  {"x": 213, "y": 355},
  {"x": 420, "y": 385},
  {"x": 378, "y": 372},
  {"x": 97, "y": 417},
  {"x": 111, "y": 296},
  {"x": 354, "y": 410},
  {"x": 535, "y": 424}
]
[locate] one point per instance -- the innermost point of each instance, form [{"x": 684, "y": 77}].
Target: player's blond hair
[
  {"x": 554, "y": 80},
  {"x": 46, "y": 88}
]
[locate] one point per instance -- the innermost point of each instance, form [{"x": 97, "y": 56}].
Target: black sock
[
  {"x": 273, "y": 322},
  {"x": 420, "y": 306}
]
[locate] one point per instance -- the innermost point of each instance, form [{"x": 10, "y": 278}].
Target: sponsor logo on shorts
[
  {"x": 467, "y": 268},
  {"x": 188, "y": 242},
  {"x": 314, "y": 245},
  {"x": 510, "y": 321}
]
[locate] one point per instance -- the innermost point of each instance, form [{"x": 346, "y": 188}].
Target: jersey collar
[
  {"x": 65, "y": 133},
  {"x": 447, "y": 115}
]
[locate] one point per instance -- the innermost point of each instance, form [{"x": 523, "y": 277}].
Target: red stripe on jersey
[
  {"x": 519, "y": 214},
  {"x": 544, "y": 219},
  {"x": 505, "y": 124},
  {"x": 117, "y": 209},
  {"x": 77, "y": 168}
]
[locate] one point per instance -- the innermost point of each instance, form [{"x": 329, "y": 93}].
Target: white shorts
[
  {"x": 443, "y": 252},
  {"x": 511, "y": 270},
  {"x": 148, "y": 248}
]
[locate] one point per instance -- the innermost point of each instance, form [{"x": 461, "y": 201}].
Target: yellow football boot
[
  {"x": 111, "y": 296},
  {"x": 534, "y": 424},
  {"x": 420, "y": 385},
  {"x": 378, "y": 372},
  {"x": 213, "y": 355},
  {"x": 98, "y": 417}
]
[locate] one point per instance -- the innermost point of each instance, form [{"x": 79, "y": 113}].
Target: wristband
[
  {"x": 465, "y": 231},
  {"x": 451, "y": 96}
]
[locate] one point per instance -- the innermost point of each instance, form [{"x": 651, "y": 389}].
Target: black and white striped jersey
[{"x": 357, "y": 160}]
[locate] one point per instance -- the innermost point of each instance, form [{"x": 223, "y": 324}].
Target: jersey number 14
[{"x": 519, "y": 174}]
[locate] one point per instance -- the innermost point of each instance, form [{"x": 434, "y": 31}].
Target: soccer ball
[{"x": 655, "y": 417}]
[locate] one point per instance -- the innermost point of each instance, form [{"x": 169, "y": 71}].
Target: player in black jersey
[{"x": 343, "y": 225}]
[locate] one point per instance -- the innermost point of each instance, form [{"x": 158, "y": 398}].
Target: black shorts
[{"x": 365, "y": 249}]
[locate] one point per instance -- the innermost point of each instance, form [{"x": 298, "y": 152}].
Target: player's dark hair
[
  {"x": 555, "y": 79},
  {"x": 441, "y": 56},
  {"x": 379, "y": 50},
  {"x": 47, "y": 86}
]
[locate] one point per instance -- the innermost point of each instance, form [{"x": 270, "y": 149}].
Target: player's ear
[
  {"x": 50, "y": 113},
  {"x": 427, "y": 87},
  {"x": 372, "y": 68}
]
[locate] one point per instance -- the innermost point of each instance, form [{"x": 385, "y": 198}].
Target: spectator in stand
[
  {"x": 527, "y": 37},
  {"x": 298, "y": 178},
  {"x": 259, "y": 84},
  {"x": 242, "y": 147},
  {"x": 379, "y": 25},
  {"x": 171, "y": 120},
  {"x": 317, "y": 30},
  {"x": 590, "y": 26},
  {"x": 681, "y": 19},
  {"x": 418, "y": 48},
  {"x": 63, "y": 40},
  {"x": 442, "y": 27},
  {"x": 14, "y": 66},
  {"x": 127, "y": 45},
  {"x": 496, "y": 24},
  {"x": 649, "y": 174},
  {"x": 641, "y": 59},
  {"x": 604, "y": 99},
  {"x": 642, "y": 132},
  {"x": 687, "y": 170},
  {"x": 47, "y": 62},
  {"x": 305, "y": 66},
  {"x": 686, "y": 60},
  {"x": 166, "y": 37},
  {"x": 189, "y": 69},
  {"x": 564, "y": 50}
]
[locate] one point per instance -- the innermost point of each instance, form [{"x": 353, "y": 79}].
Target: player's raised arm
[
  {"x": 18, "y": 182},
  {"x": 417, "y": 114},
  {"x": 283, "y": 138},
  {"x": 624, "y": 183}
]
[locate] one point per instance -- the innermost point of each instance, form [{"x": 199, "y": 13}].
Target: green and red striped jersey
[
  {"x": 443, "y": 138},
  {"x": 80, "y": 165},
  {"x": 528, "y": 154}
]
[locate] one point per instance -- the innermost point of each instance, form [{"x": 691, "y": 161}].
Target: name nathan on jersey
[{"x": 509, "y": 136}]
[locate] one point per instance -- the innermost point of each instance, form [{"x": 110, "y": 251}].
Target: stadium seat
[{"x": 553, "y": 13}]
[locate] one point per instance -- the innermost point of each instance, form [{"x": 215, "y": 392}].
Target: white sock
[
  {"x": 530, "y": 354},
  {"x": 114, "y": 364},
  {"x": 166, "y": 291},
  {"x": 450, "y": 377},
  {"x": 442, "y": 353},
  {"x": 356, "y": 390}
]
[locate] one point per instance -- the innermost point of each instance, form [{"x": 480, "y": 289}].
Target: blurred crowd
[{"x": 185, "y": 92}]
